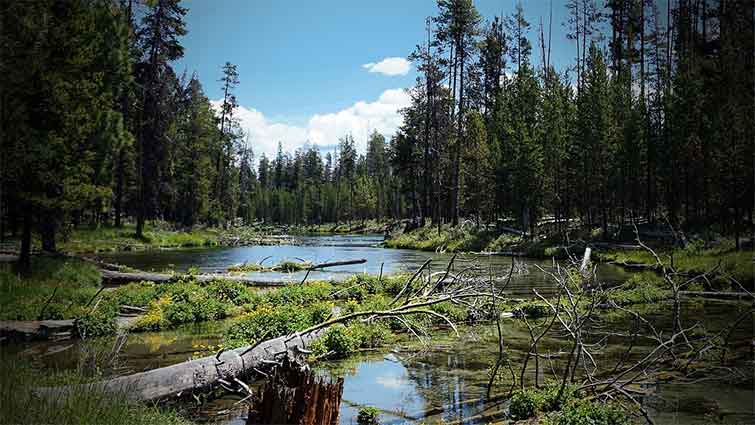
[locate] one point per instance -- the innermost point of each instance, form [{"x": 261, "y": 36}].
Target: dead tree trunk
[
  {"x": 295, "y": 395},
  {"x": 195, "y": 375}
]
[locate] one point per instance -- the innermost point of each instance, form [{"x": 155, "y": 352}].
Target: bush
[
  {"x": 343, "y": 341},
  {"x": 582, "y": 412},
  {"x": 337, "y": 340},
  {"x": 100, "y": 321},
  {"x": 300, "y": 294},
  {"x": 528, "y": 402},
  {"x": 269, "y": 321},
  {"x": 450, "y": 310},
  {"x": 135, "y": 294},
  {"x": 524, "y": 404},
  {"x": 368, "y": 415},
  {"x": 531, "y": 310}
]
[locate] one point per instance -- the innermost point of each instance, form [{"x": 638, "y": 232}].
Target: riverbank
[
  {"x": 253, "y": 315},
  {"x": 718, "y": 256}
]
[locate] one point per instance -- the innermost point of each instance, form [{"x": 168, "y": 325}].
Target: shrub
[
  {"x": 229, "y": 291},
  {"x": 370, "y": 335},
  {"x": 337, "y": 340},
  {"x": 524, "y": 404},
  {"x": 368, "y": 415},
  {"x": 583, "y": 412},
  {"x": 528, "y": 402},
  {"x": 531, "y": 310},
  {"x": 269, "y": 321},
  {"x": 135, "y": 294},
  {"x": 99, "y": 321}
]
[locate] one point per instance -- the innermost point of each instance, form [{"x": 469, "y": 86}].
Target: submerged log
[
  {"x": 195, "y": 375},
  {"x": 296, "y": 395}
]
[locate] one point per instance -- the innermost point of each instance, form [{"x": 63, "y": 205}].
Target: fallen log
[
  {"x": 716, "y": 294},
  {"x": 113, "y": 278},
  {"x": 338, "y": 263},
  {"x": 34, "y": 330},
  {"x": 194, "y": 375},
  {"x": 117, "y": 278}
]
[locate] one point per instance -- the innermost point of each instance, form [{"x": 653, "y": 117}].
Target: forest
[
  {"x": 652, "y": 122},
  {"x": 537, "y": 243}
]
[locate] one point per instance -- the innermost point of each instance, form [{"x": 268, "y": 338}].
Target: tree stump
[{"x": 295, "y": 395}]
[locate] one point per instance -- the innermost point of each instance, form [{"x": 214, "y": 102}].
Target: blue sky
[{"x": 301, "y": 63}]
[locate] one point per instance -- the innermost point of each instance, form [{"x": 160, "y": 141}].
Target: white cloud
[
  {"x": 389, "y": 66},
  {"x": 359, "y": 120}
]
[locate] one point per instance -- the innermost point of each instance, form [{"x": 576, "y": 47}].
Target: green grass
[
  {"x": 450, "y": 239},
  {"x": 641, "y": 288},
  {"x": 458, "y": 239},
  {"x": 695, "y": 259},
  {"x": 67, "y": 283},
  {"x": 571, "y": 409},
  {"x": 19, "y": 405},
  {"x": 107, "y": 239},
  {"x": 286, "y": 266}
]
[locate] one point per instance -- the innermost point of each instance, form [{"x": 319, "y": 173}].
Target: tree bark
[
  {"x": 296, "y": 395},
  {"x": 194, "y": 375}
]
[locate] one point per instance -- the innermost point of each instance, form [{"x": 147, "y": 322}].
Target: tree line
[{"x": 653, "y": 119}]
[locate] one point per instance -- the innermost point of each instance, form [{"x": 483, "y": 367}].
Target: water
[
  {"x": 447, "y": 381},
  {"x": 320, "y": 249},
  {"x": 408, "y": 382}
]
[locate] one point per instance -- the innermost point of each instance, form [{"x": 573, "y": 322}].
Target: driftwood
[
  {"x": 36, "y": 329},
  {"x": 296, "y": 395},
  {"x": 50, "y": 329},
  {"x": 194, "y": 375}
]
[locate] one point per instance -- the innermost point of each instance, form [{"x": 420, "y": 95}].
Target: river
[{"x": 407, "y": 381}]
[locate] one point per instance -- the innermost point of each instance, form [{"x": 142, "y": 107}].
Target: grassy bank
[
  {"x": 19, "y": 405},
  {"x": 358, "y": 227},
  {"x": 697, "y": 258},
  {"x": 57, "y": 288},
  {"x": 107, "y": 239},
  {"x": 470, "y": 239}
]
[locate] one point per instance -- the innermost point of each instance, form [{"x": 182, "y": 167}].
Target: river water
[
  {"x": 408, "y": 382},
  {"x": 320, "y": 249}
]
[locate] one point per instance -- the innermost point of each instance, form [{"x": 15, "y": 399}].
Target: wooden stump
[{"x": 295, "y": 395}]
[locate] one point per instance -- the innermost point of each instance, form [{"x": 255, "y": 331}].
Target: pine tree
[{"x": 159, "y": 33}]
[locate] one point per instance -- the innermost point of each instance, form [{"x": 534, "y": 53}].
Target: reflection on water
[
  {"x": 447, "y": 381},
  {"x": 319, "y": 249}
]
